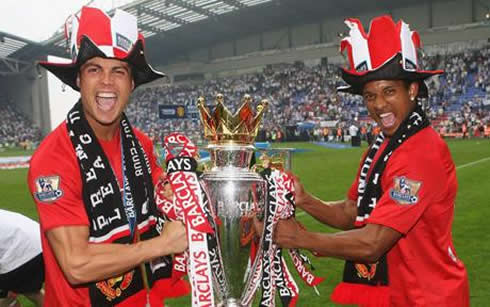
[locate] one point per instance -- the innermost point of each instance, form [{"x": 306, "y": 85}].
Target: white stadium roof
[{"x": 154, "y": 17}]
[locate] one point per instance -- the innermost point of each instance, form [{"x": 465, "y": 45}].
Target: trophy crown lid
[{"x": 223, "y": 127}]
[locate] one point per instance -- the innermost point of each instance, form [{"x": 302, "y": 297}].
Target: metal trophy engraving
[{"x": 235, "y": 192}]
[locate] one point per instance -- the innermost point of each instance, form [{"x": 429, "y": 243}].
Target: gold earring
[{"x": 412, "y": 98}]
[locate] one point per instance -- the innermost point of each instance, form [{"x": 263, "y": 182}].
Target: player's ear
[{"x": 413, "y": 90}]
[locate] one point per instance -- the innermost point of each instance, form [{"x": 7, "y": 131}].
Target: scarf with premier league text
[
  {"x": 367, "y": 284},
  {"x": 117, "y": 217}
]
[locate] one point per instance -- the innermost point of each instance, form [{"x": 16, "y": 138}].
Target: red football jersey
[
  {"x": 419, "y": 188},
  {"x": 54, "y": 164}
]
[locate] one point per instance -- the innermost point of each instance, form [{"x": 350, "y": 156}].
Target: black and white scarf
[
  {"x": 369, "y": 192},
  {"x": 115, "y": 217}
]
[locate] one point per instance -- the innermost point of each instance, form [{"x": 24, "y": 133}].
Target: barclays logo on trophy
[{"x": 229, "y": 262}]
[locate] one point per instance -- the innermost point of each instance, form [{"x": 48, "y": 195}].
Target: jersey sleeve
[
  {"x": 410, "y": 183},
  {"x": 55, "y": 184}
]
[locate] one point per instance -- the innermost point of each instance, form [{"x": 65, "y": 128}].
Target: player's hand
[
  {"x": 258, "y": 226},
  {"x": 163, "y": 187},
  {"x": 300, "y": 195},
  {"x": 288, "y": 233},
  {"x": 174, "y": 237},
  {"x": 167, "y": 191},
  {"x": 163, "y": 177}
]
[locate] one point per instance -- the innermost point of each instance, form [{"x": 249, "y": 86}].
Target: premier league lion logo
[
  {"x": 47, "y": 188},
  {"x": 45, "y": 184},
  {"x": 405, "y": 191}
]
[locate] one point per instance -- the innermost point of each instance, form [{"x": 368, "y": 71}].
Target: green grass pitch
[{"x": 328, "y": 173}]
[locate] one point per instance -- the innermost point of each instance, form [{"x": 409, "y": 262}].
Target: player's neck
[{"x": 105, "y": 132}]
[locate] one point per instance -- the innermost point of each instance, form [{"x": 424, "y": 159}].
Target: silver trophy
[{"x": 236, "y": 193}]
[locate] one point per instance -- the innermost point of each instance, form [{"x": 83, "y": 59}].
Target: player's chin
[
  {"x": 108, "y": 121},
  {"x": 389, "y": 132}
]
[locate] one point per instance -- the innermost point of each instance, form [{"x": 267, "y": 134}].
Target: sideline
[
  {"x": 14, "y": 162},
  {"x": 472, "y": 163},
  {"x": 332, "y": 145}
]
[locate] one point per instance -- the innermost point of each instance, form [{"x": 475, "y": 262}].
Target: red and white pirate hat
[
  {"x": 96, "y": 34},
  {"x": 387, "y": 52}
]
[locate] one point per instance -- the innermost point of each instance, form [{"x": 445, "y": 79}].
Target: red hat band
[{"x": 368, "y": 52}]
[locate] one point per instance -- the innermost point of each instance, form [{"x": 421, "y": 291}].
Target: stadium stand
[
  {"x": 16, "y": 130},
  {"x": 288, "y": 48},
  {"x": 305, "y": 105}
]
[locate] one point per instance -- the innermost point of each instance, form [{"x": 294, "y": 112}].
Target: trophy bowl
[{"x": 236, "y": 195}]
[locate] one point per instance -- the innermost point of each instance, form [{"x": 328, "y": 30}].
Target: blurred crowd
[
  {"x": 16, "y": 130},
  {"x": 460, "y": 99},
  {"x": 303, "y": 103},
  {"x": 300, "y": 98}
]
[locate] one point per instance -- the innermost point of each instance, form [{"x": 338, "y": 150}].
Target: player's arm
[
  {"x": 366, "y": 244},
  {"x": 84, "y": 262},
  {"x": 339, "y": 214}
]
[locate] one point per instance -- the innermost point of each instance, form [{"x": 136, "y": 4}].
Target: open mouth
[
  {"x": 106, "y": 101},
  {"x": 388, "y": 119}
]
